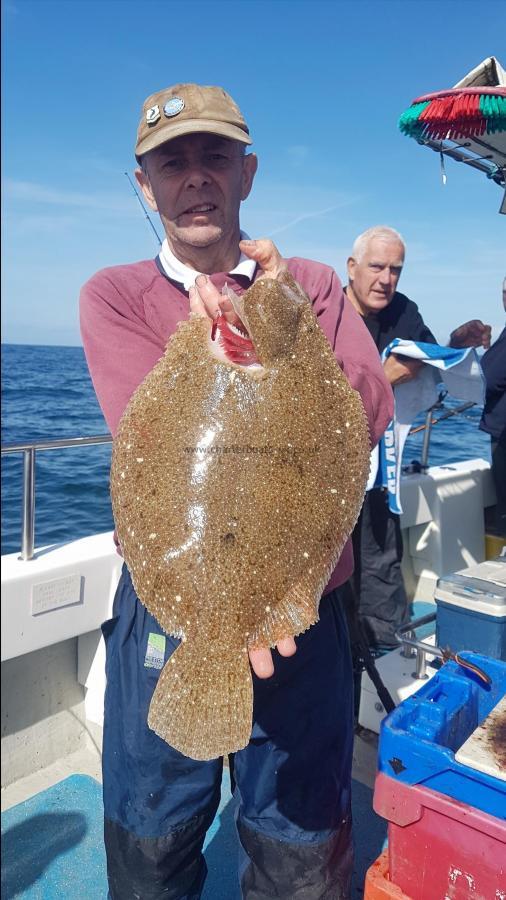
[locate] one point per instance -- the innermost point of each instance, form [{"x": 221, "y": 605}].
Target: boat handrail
[
  {"x": 57, "y": 444},
  {"x": 29, "y": 449},
  {"x": 406, "y": 636}
]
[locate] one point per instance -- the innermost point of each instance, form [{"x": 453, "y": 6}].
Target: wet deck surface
[{"x": 52, "y": 844}]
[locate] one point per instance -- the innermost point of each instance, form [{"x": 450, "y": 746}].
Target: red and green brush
[{"x": 455, "y": 114}]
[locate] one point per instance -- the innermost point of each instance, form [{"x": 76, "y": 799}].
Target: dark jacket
[
  {"x": 400, "y": 319},
  {"x": 493, "y": 364}
]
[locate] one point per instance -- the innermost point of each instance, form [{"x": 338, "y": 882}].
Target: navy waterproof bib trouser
[{"x": 293, "y": 778}]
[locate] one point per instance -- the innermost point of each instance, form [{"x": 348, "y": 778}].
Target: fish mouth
[
  {"x": 235, "y": 342},
  {"x": 239, "y": 309}
]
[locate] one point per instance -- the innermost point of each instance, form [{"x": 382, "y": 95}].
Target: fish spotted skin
[{"x": 234, "y": 490}]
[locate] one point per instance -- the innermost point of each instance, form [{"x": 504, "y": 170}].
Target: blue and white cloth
[{"x": 461, "y": 373}]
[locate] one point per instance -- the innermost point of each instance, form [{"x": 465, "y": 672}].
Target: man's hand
[
  {"x": 266, "y": 254},
  {"x": 206, "y": 301},
  {"x": 400, "y": 369},
  {"x": 261, "y": 660},
  {"x": 471, "y": 334}
]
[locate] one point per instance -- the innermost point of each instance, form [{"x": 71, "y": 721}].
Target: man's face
[
  {"x": 196, "y": 183},
  {"x": 373, "y": 280}
]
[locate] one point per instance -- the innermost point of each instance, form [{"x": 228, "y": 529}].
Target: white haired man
[{"x": 374, "y": 269}]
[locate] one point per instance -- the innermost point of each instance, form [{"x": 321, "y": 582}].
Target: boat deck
[{"x": 52, "y": 835}]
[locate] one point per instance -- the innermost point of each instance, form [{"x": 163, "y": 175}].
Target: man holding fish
[{"x": 294, "y": 776}]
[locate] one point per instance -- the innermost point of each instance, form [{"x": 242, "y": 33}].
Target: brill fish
[{"x": 238, "y": 473}]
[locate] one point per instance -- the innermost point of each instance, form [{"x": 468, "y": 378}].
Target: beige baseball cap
[{"x": 187, "y": 109}]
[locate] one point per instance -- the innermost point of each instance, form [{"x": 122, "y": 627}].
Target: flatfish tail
[{"x": 203, "y": 701}]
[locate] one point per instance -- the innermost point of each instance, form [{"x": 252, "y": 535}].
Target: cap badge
[
  {"x": 152, "y": 115},
  {"x": 173, "y": 107}
]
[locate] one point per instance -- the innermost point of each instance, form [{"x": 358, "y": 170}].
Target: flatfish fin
[
  {"x": 294, "y": 614},
  {"x": 203, "y": 701}
]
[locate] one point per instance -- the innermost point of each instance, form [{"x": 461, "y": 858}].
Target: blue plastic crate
[{"x": 419, "y": 739}]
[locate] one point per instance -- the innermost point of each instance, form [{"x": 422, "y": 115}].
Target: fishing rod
[
  {"x": 446, "y": 415},
  {"x": 143, "y": 208}
]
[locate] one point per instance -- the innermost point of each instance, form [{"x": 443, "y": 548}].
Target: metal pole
[
  {"x": 407, "y": 651},
  {"x": 426, "y": 440},
  {"x": 27, "y": 534},
  {"x": 421, "y": 666},
  {"x": 401, "y": 635}
]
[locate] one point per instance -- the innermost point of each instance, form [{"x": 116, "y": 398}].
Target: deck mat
[{"x": 52, "y": 844}]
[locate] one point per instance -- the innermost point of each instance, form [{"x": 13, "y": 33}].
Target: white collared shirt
[{"x": 186, "y": 276}]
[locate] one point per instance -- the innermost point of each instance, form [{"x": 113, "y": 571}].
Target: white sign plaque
[{"x": 49, "y": 595}]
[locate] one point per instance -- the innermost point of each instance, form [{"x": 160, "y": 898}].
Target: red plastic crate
[
  {"x": 377, "y": 883},
  {"x": 439, "y": 848}
]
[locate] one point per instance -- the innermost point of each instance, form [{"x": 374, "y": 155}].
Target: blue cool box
[
  {"x": 471, "y": 609},
  {"x": 419, "y": 739}
]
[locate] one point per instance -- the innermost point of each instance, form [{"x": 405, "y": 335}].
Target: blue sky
[{"x": 321, "y": 85}]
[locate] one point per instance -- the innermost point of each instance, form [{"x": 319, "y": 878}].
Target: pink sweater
[{"x": 129, "y": 312}]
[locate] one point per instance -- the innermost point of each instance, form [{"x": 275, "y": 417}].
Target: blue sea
[{"x": 47, "y": 394}]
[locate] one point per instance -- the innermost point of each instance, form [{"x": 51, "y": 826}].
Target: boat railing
[
  {"x": 406, "y": 635},
  {"x": 29, "y": 449}
]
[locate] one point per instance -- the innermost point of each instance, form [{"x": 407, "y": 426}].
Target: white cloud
[
  {"x": 278, "y": 206},
  {"x": 32, "y": 192},
  {"x": 101, "y": 165},
  {"x": 23, "y": 226},
  {"x": 316, "y": 214}
]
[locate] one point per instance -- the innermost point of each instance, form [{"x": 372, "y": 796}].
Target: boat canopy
[{"x": 466, "y": 122}]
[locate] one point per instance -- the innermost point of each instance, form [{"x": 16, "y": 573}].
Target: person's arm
[
  {"x": 493, "y": 364},
  {"x": 471, "y": 334},
  {"x": 399, "y": 369},
  {"x": 120, "y": 347}
]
